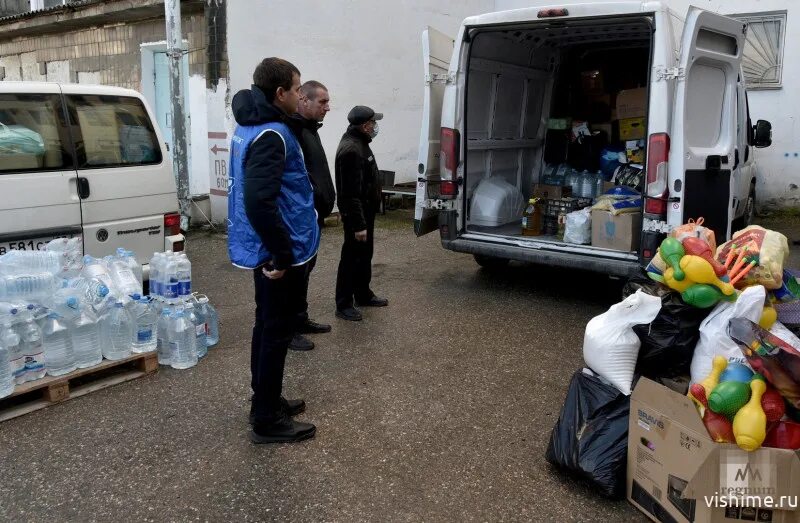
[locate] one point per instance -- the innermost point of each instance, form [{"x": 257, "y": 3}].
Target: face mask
[{"x": 374, "y": 132}]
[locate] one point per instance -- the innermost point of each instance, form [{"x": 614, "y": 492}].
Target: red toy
[
  {"x": 784, "y": 435},
  {"x": 773, "y": 405},
  {"x": 698, "y": 247},
  {"x": 718, "y": 426}
]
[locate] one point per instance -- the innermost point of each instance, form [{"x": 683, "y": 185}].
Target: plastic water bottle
[
  {"x": 199, "y": 321},
  {"x": 155, "y": 274},
  {"x": 599, "y": 181},
  {"x": 91, "y": 291},
  {"x": 212, "y": 319},
  {"x": 145, "y": 335},
  {"x": 10, "y": 341},
  {"x": 34, "y": 261},
  {"x": 162, "y": 342},
  {"x": 32, "y": 345},
  {"x": 59, "y": 355},
  {"x": 124, "y": 279},
  {"x": 27, "y": 287},
  {"x": 6, "y": 375},
  {"x": 170, "y": 280},
  {"x": 129, "y": 258},
  {"x": 184, "y": 272},
  {"x": 182, "y": 341},
  {"x": 86, "y": 339},
  {"x": 117, "y": 333},
  {"x": 94, "y": 268}
]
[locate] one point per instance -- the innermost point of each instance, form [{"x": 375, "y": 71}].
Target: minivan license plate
[{"x": 36, "y": 244}]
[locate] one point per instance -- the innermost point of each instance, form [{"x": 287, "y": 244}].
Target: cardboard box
[
  {"x": 620, "y": 232},
  {"x": 632, "y": 103},
  {"x": 554, "y": 192},
  {"x": 677, "y": 473},
  {"x": 631, "y": 129}
]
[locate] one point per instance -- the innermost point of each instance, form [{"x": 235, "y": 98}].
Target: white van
[
  {"x": 492, "y": 91},
  {"x": 84, "y": 160}
]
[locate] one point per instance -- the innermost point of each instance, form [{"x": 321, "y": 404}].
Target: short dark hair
[
  {"x": 309, "y": 89},
  {"x": 272, "y": 73}
]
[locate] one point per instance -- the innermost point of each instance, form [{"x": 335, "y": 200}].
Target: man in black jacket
[
  {"x": 314, "y": 105},
  {"x": 359, "y": 195}
]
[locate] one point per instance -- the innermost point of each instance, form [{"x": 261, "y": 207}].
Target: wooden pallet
[{"x": 35, "y": 395}]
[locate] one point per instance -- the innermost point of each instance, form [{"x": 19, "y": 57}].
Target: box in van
[
  {"x": 89, "y": 161},
  {"x": 492, "y": 90}
]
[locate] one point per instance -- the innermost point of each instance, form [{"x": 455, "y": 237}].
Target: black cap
[{"x": 362, "y": 114}]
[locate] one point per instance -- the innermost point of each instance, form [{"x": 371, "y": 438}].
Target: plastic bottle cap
[
  {"x": 103, "y": 291},
  {"x": 72, "y": 302}
]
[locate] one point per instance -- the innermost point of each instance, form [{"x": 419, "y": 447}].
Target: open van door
[
  {"x": 704, "y": 132},
  {"x": 437, "y": 49}
]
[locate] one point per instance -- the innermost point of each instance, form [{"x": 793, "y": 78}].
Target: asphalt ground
[{"x": 437, "y": 408}]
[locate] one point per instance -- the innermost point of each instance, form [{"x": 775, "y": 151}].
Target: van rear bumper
[{"x": 587, "y": 262}]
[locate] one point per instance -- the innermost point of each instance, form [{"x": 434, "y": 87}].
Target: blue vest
[{"x": 295, "y": 201}]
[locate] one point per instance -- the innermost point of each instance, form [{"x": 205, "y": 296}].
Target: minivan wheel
[
  {"x": 490, "y": 262},
  {"x": 749, "y": 215}
]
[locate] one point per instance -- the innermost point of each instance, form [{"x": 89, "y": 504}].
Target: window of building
[
  {"x": 32, "y": 134},
  {"x": 762, "y": 59}
]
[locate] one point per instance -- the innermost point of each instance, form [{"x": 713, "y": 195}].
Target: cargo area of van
[{"x": 556, "y": 110}]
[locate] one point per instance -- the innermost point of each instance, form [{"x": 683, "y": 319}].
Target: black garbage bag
[
  {"x": 590, "y": 439},
  {"x": 668, "y": 342}
]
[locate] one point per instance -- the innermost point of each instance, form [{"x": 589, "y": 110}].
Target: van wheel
[
  {"x": 749, "y": 215},
  {"x": 491, "y": 263}
]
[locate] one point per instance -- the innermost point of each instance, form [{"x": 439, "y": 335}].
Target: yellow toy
[
  {"x": 718, "y": 366},
  {"x": 750, "y": 423},
  {"x": 768, "y": 318},
  {"x": 672, "y": 283},
  {"x": 700, "y": 271}
]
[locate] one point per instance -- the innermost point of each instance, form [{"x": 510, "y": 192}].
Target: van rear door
[
  {"x": 704, "y": 131},
  {"x": 38, "y": 192},
  {"x": 437, "y": 49},
  {"x": 126, "y": 180}
]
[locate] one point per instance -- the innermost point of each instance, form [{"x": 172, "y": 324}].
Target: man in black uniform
[
  {"x": 314, "y": 105},
  {"x": 359, "y": 195}
]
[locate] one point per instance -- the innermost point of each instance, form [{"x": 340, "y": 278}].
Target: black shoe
[
  {"x": 349, "y": 314},
  {"x": 290, "y": 407},
  {"x": 300, "y": 342},
  {"x": 312, "y": 327},
  {"x": 282, "y": 430},
  {"x": 373, "y": 302}
]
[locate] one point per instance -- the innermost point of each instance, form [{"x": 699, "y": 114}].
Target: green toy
[
  {"x": 728, "y": 397},
  {"x": 671, "y": 252},
  {"x": 703, "y": 296}
]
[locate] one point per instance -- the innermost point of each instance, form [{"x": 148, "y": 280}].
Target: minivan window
[
  {"x": 112, "y": 131},
  {"x": 32, "y": 134}
]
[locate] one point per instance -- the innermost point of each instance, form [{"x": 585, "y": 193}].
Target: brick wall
[{"x": 109, "y": 54}]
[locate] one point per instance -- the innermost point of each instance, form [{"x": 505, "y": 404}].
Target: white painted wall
[
  {"x": 365, "y": 51},
  {"x": 779, "y": 164}
]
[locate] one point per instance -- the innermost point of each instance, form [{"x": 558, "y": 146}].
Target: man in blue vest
[{"x": 273, "y": 231}]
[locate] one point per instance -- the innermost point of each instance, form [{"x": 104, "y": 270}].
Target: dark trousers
[
  {"x": 302, "y": 316},
  {"x": 355, "y": 267},
  {"x": 277, "y": 304}
]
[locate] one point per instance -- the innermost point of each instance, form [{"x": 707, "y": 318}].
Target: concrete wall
[
  {"x": 365, "y": 51},
  {"x": 777, "y": 184}
]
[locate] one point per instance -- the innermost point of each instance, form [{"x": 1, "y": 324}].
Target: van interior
[{"x": 541, "y": 103}]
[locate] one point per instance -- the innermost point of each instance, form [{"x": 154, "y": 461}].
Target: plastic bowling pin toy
[
  {"x": 674, "y": 284},
  {"x": 671, "y": 252},
  {"x": 699, "y": 271},
  {"x": 773, "y": 405},
  {"x": 768, "y": 318},
  {"x": 718, "y": 426},
  {"x": 736, "y": 372},
  {"x": 703, "y": 296},
  {"x": 718, "y": 366},
  {"x": 728, "y": 397},
  {"x": 750, "y": 423},
  {"x": 698, "y": 247}
]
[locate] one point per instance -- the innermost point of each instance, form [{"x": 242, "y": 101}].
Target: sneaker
[
  {"x": 373, "y": 302},
  {"x": 300, "y": 342},
  {"x": 349, "y": 314},
  {"x": 283, "y": 430},
  {"x": 312, "y": 327},
  {"x": 291, "y": 407}
]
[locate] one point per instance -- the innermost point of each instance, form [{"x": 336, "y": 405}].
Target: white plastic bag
[
  {"x": 578, "y": 228},
  {"x": 779, "y": 329},
  {"x": 714, "y": 338},
  {"x": 610, "y": 347}
]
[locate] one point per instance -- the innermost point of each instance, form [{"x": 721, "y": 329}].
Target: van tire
[
  {"x": 491, "y": 263},
  {"x": 749, "y": 216}
]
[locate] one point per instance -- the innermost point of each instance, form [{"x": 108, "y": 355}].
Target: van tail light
[
  {"x": 448, "y": 162},
  {"x": 172, "y": 224},
  {"x": 657, "y": 191}
]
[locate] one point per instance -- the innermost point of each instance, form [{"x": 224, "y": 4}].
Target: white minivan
[
  {"x": 84, "y": 160},
  {"x": 492, "y": 90}
]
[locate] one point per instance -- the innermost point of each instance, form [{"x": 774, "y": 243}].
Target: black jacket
[
  {"x": 357, "y": 180},
  {"x": 317, "y": 167},
  {"x": 264, "y": 167}
]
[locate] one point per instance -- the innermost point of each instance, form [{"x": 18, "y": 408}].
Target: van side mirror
[{"x": 762, "y": 134}]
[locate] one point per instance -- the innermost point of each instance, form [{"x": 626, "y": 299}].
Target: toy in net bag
[
  {"x": 759, "y": 254},
  {"x": 770, "y": 356}
]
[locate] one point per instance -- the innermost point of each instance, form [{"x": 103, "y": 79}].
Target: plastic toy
[
  {"x": 718, "y": 365},
  {"x": 718, "y": 426},
  {"x": 728, "y": 397},
  {"x": 672, "y": 252},
  {"x": 672, "y": 283},
  {"x": 784, "y": 435},
  {"x": 768, "y": 318},
  {"x": 703, "y": 296},
  {"x": 773, "y": 405},
  {"x": 750, "y": 423},
  {"x": 736, "y": 372},
  {"x": 700, "y": 271},
  {"x": 698, "y": 247}
]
